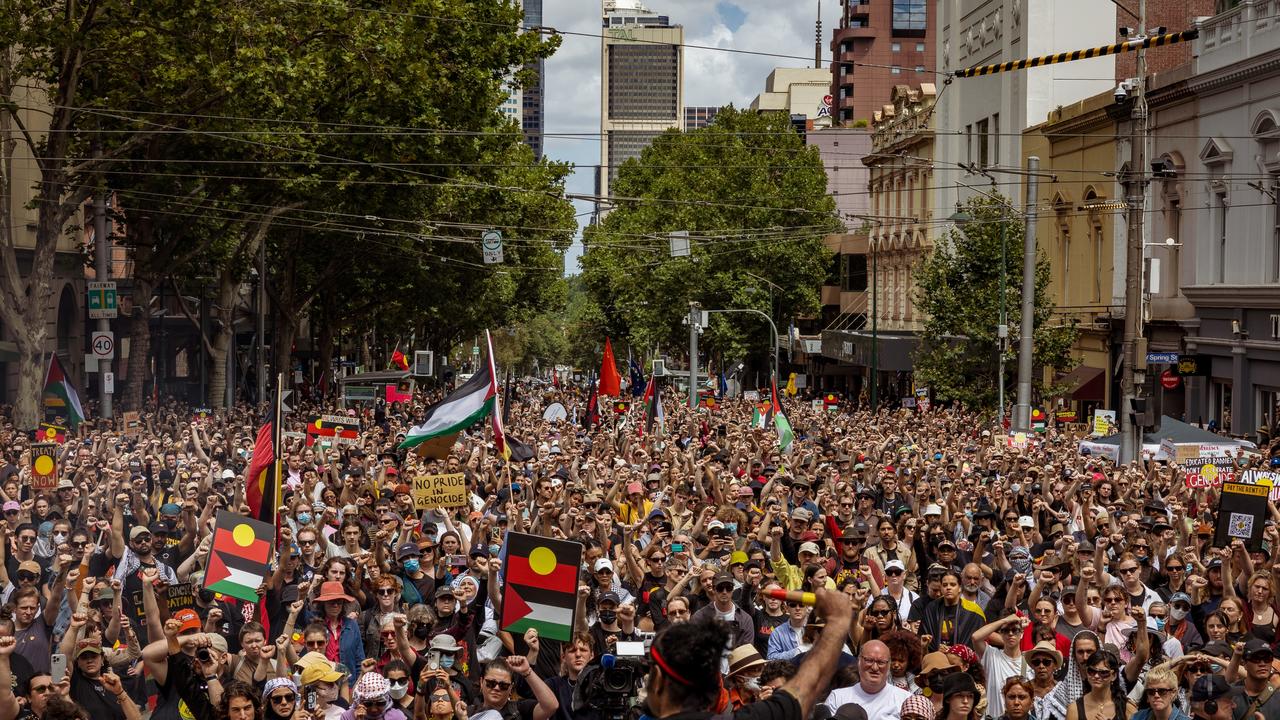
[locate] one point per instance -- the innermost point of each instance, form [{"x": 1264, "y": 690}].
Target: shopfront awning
[{"x": 1084, "y": 383}]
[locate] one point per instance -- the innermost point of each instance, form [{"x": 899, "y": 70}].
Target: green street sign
[{"x": 102, "y": 301}]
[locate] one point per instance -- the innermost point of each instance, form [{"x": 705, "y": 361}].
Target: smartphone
[
  {"x": 58, "y": 667},
  {"x": 458, "y": 560},
  {"x": 310, "y": 700},
  {"x": 677, "y": 547}
]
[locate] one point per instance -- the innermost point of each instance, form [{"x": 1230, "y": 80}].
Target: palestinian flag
[
  {"x": 466, "y": 406},
  {"x": 540, "y": 585},
  {"x": 241, "y": 556},
  {"x": 496, "y": 418},
  {"x": 760, "y": 415},
  {"x": 785, "y": 436},
  {"x": 59, "y": 393}
]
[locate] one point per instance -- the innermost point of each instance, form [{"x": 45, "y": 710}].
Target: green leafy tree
[
  {"x": 754, "y": 201},
  {"x": 958, "y": 290}
]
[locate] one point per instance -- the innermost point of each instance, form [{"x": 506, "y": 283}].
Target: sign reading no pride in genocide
[{"x": 439, "y": 491}]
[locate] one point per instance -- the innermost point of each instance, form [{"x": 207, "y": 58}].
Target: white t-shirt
[
  {"x": 1000, "y": 667},
  {"x": 884, "y": 705}
]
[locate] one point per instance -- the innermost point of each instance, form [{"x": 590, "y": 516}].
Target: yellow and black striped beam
[{"x": 1117, "y": 48}]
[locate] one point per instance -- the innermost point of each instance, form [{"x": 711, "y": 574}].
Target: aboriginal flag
[
  {"x": 540, "y": 585},
  {"x": 241, "y": 556},
  {"x": 260, "y": 489}
]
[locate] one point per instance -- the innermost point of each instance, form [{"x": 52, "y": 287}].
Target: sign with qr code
[
  {"x": 1240, "y": 526},
  {"x": 1242, "y": 510}
]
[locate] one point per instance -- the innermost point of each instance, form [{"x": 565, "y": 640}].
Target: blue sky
[{"x": 711, "y": 77}]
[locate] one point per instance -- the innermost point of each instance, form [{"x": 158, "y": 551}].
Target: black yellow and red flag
[
  {"x": 50, "y": 433},
  {"x": 240, "y": 557},
  {"x": 540, "y": 585}
]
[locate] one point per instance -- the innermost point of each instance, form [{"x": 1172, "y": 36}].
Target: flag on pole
[
  {"x": 653, "y": 414},
  {"x": 785, "y": 436},
  {"x": 610, "y": 383},
  {"x": 638, "y": 386},
  {"x": 499, "y": 437},
  {"x": 464, "y": 407},
  {"x": 722, "y": 388},
  {"x": 592, "y": 417},
  {"x": 259, "y": 493},
  {"x": 540, "y": 585},
  {"x": 398, "y": 359},
  {"x": 59, "y": 393}
]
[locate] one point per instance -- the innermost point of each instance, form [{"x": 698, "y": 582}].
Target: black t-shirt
[{"x": 779, "y": 706}]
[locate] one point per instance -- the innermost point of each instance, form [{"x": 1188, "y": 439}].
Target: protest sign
[
  {"x": 1209, "y": 472},
  {"x": 44, "y": 466},
  {"x": 175, "y": 597},
  {"x": 1104, "y": 421},
  {"x": 132, "y": 423},
  {"x": 439, "y": 491},
  {"x": 1242, "y": 510}
]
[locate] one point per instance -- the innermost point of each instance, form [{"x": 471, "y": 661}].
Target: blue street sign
[{"x": 1159, "y": 358}]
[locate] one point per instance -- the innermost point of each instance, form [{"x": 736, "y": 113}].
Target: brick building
[{"x": 878, "y": 45}]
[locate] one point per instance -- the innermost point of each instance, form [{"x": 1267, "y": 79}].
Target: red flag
[
  {"x": 610, "y": 381},
  {"x": 399, "y": 360},
  {"x": 259, "y": 492}
]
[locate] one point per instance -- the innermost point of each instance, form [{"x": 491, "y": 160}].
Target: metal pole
[
  {"x": 204, "y": 356},
  {"x": 102, "y": 273},
  {"x": 1130, "y": 432},
  {"x": 1026, "y": 343},
  {"x": 261, "y": 298},
  {"x": 875, "y": 349},
  {"x": 693, "y": 354},
  {"x": 1002, "y": 328}
]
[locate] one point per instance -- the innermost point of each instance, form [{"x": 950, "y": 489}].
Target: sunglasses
[
  {"x": 386, "y": 592},
  {"x": 1175, "y": 568},
  {"x": 657, "y": 559},
  {"x": 1126, "y": 571},
  {"x": 374, "y": 703},
  {"x": 1260, "y": 657},
  {"x": 41, "y": 689},
  {"x": 1159, "y": 692},
  {"x": 1198, "y": 669},
  {"x": 724, "y": 587},
  {"x": 315, "y": 643},
  {"x": 27, "y": 577},
  {"x": 893, "y": 571},
  {"x": 1042, "y": 662},
  {"x": 794, "y": 605},
  {"x": 1099, "y": 672},
  {"x": 283, "y": 699},
  {"x": 398, "y": 682},
  {"x": 879, "y": 613},
  {"x": 388, "y": 634},
  {"x": 497, "y": 684}
]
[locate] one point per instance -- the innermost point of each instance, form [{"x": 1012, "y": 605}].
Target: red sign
[{"x": 1170, "y": 380}]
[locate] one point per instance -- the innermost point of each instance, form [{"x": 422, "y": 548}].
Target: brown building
[
  {"x": 877, "y": 45},
  {"x": 1174, "y": 15}
]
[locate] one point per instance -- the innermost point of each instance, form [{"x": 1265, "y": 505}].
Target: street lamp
[{"x": 962, "y": 218}]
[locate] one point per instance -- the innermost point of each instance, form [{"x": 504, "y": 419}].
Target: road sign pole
[{"x": 102, "y": 273}]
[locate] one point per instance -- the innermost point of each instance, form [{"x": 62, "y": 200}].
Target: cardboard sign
[
  {"x": 132, "y": 423},
  {"x": 750, "y": 396},
  {"x": 176, "y": 597},
  {"x": 1242, "y": 511},
  {"x": 439, "y": 491},
  {"x": 336, "y": 429},
  {"x": 44, "y": 466},
  {"x": 1259, "y": 477},
  {"x": 1209, "y": 472},
  {"x": 1065, "y": 416},
  {"x": 1104, "y": 421}
]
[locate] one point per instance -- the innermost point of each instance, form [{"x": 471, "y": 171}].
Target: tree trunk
[
  {"x": 134, "y": 392},
  {"x": 221, "y": 340},
  {"x": 366, "y": 355},
  {"x": 328, "y": 337},
  {"x": 283, "y": 336}
]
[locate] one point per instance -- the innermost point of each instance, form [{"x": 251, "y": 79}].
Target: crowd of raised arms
[{"x": 951, "y": 576}]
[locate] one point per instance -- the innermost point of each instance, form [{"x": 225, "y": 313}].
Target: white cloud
[{"x": 711, "y": 77}]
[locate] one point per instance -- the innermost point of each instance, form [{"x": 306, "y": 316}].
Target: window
[
  {"x": 853, "y": 276},
  {"x": 1266, "y": 409},
  {"x": 910, "y": 16},
  {"x": 1275, "y": 229},
  {"x": 1175, "y": 231},
  {"x": 1220, "y": 235},
  {"x": 980, "y": 129},
  {"x": 1275, "y": 327},
  {"x": 995, "y": 139},
  {"x": 1064, "y": 259},
  {"x": 968, "y": 143},
  {"x": 895, "y": 70},
  {"x": 919, "y": 47},
  {"x": 895, "y": 47},
  {"x": 844, "y": 69}
]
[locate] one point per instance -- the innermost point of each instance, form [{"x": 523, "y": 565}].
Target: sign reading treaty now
[{"x": 439, "y": 491}]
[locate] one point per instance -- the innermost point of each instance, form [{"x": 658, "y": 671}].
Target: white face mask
[
  {"x": 327, "y": 694},
  {"x": 59, "y": 538},
  {"x": 1177, "y": 614},
  {"x": 399, "y": 691}
]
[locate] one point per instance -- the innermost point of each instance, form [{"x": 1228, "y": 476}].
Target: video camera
[{"x": 612, "y": 687}]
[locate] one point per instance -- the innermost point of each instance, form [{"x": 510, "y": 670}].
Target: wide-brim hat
[
  {"x": 1045, "y": 647},
  {"x": 333, "y": 590},
  {"x": 743, "y": 658}
]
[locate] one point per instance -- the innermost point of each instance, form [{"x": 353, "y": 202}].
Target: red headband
[{"x": 667, "y": 668}]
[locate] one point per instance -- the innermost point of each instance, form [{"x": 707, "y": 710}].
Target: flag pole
[{"x": 277, "y": 433}]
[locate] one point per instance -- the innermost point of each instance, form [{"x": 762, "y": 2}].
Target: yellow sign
[{"x": 439, "y": 491}]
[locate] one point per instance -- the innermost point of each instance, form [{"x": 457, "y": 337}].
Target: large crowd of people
[{"x": 942, "y": 574}]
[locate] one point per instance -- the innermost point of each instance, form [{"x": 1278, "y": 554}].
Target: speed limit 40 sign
[{"x": 104, "y": 345}]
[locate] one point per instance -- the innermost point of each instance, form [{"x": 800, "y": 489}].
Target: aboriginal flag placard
[
  {"x": 540, "y": 585},
  {"x": 44, "y": 466},
  {"x": 241, "y": 556}
]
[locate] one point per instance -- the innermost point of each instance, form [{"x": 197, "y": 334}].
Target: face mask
[
  {"x": 304, "y": 518},
  {"x": 422, "y": 632},
  {"x": 1160, "y": 624},
  {"x": 446, "y": 661},
  {"x": 1177, "y": 614},
  {"x": 607, "y": 617},
  {"x": 399, "y": 691},
  {"x": 494, "y": 550},
  {"x": 411, "y": 565},
  {"x": 731, "y": 527},
  {"x": 59, "y": 538},
  {"x": 326, "y": 694}
]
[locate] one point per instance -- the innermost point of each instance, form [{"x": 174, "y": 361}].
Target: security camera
[{"x": 1122, "y": 93}]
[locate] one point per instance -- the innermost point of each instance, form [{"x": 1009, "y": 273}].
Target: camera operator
[
  {"x": 684, "y": 680},
  {"x": 577, "y": 655}
]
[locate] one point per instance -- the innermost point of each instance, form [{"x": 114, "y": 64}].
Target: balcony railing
[{"x": 1246, "y": 30}]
